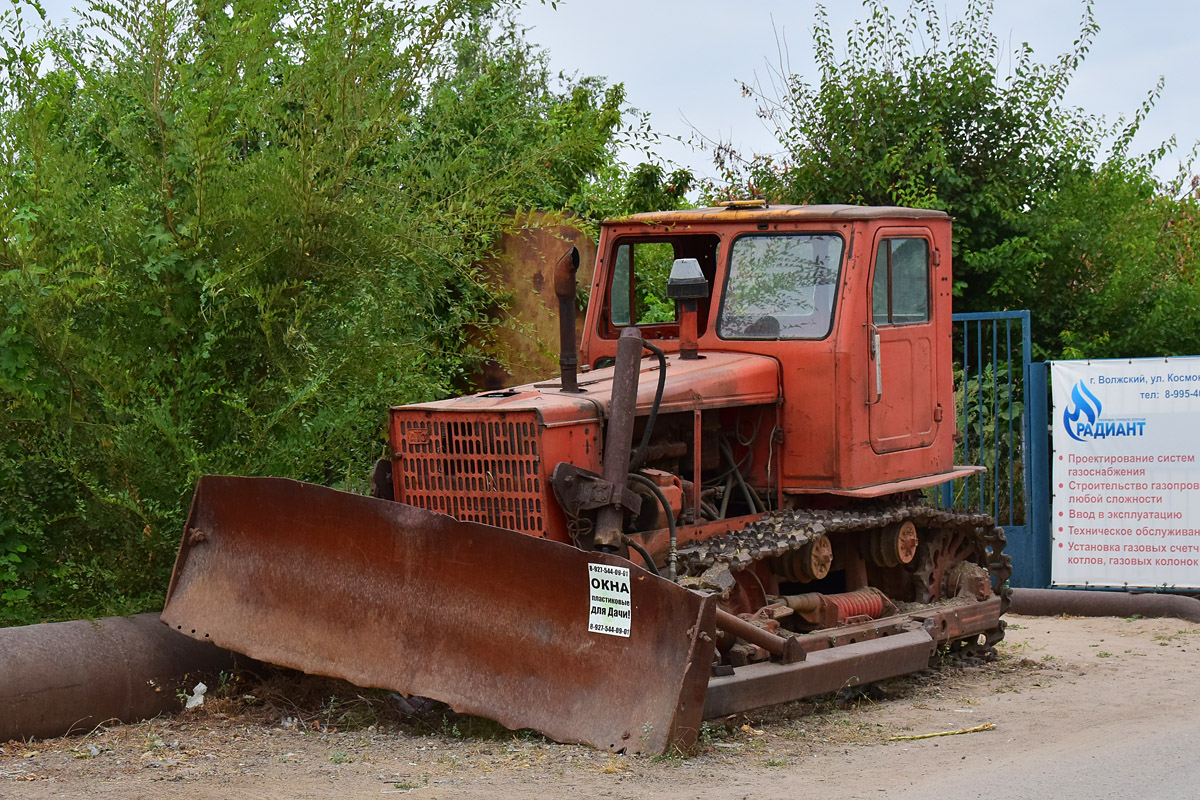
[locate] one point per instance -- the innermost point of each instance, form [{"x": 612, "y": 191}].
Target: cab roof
[{"x": 767, "y": 212}]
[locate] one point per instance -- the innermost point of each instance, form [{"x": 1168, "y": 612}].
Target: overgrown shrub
[
  {"x": 231, "y": 234},
  {"x": 1052, "y": 211}
]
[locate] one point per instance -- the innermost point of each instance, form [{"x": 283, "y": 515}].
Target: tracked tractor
[{"x": 717, "y": 505}]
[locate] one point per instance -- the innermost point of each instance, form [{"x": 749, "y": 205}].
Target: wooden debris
[{"x": 987, "y": 726}]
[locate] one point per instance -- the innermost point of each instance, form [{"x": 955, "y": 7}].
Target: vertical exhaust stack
[
  {"x": 685, "y": 286},
  {"x": 564, "y": 289},
  {"x": 618, "y": 440}
]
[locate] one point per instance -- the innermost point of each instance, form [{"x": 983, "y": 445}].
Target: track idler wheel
[
  {"x": 894, "y": 545},
  {"x": 810, "y": 563}
]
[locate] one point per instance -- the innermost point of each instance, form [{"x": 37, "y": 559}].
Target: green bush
[
  {"x": 231, "y": 234},
  {"x": 1052, "y": 212}
]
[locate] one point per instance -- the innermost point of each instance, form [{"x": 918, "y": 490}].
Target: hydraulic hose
[
  {"x": 751, "y": 498},
  {"x": 650, "y": 565},
  {"x": 666, "y": 507},
  {"x": 635, "y": 461}
]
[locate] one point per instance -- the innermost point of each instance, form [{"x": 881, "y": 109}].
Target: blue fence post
[{"x": 1037, "y": 470}]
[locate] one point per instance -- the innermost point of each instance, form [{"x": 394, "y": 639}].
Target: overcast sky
[{"x": 682, "y": 60}]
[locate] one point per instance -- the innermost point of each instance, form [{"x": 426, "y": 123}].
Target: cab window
[
  {"x": 781, "y": 286},
  {"x": 900, "y": 289},
  {"x": 637, "y": 293}
]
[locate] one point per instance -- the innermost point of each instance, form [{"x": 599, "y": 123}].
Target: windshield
[{"x": 781, "y": 286}]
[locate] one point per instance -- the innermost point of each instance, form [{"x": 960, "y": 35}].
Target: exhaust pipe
[
  {"x": 687, "y": 286},
  {"x": 565, "y": 289},
  {"x": 618, "y": 440}
]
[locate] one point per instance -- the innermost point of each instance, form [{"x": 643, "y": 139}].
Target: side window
[
  {"x": 900, "y": 292},
  {"x": 638, "y": 290},
  {"x": 621, "y": 306},
  {"x": 645, "y": 301}
]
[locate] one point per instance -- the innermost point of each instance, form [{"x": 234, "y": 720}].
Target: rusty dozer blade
[{"x": 494, "y": 623}]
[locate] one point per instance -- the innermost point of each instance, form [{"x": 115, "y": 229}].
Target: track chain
[{"x": 780, "y": 532}]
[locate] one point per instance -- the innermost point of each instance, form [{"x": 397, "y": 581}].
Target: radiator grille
[{"x": 473, "y": 469}]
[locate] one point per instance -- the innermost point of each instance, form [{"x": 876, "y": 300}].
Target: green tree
[
  {"x": 1111, "y": 264},
  {"x": 231, "y": 234},
  {"x": 1051, "y": 212}
]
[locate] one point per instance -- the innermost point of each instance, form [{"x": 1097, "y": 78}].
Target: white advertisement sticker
[
  {"x": 1126, "y": 476},
  {"x": 611, "y": 609}
]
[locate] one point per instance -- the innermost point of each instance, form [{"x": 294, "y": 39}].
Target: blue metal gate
[{"x": 1001, "y": 400}]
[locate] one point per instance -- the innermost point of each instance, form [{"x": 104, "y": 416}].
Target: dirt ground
[{"x": 1060, "y": 688}]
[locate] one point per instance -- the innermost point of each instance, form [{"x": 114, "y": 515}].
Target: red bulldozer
[{"x": 718, "y": 505}]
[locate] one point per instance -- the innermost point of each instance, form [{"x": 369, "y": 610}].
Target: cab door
[{"x": 902, "y": 386}]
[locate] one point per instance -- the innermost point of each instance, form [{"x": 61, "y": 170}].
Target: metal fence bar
[
  {"x": 1008, "y": 349},
  {"x": 996, "y": 426},
  {"x": 979, "y": 397},
  {"x": 1032, "y": 568},
  {"x": 1030, "y": 440},
  {"x": 1014, "y": 495},
  {"x": 966, "y": 417},
  {"x": 986, "y": 438}
]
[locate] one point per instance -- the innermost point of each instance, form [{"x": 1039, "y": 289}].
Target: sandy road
[{"x": 1083, "y": 708}]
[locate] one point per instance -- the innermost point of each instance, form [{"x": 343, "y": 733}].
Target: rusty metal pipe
[
  {"x": 564, "y": 289},
  {"x": 68, "y": 677},
  {"x": 788, "y": 650},
  {"x": 618, "y": 439},
  {"x": 1083, "y": 603},
  {"x": 661, "y": 450}
]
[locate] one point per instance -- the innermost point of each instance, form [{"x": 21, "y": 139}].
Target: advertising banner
[{"x": 1126, "y": 476}]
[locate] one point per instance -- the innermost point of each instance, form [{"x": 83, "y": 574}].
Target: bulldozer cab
[{"x": 853, "y": 302}]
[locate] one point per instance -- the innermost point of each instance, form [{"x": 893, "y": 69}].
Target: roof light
[{"x": 750, "y": 202}]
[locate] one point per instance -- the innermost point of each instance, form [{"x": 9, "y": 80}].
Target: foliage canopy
[
  {"x": 231, "y": 233},
  {"x": 1051, "y": 210}
]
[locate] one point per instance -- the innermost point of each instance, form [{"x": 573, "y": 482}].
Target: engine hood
[{"x": 715, "y": 380}]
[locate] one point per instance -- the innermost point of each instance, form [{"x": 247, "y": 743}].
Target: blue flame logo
[{"x": 1083, "y": 404}]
